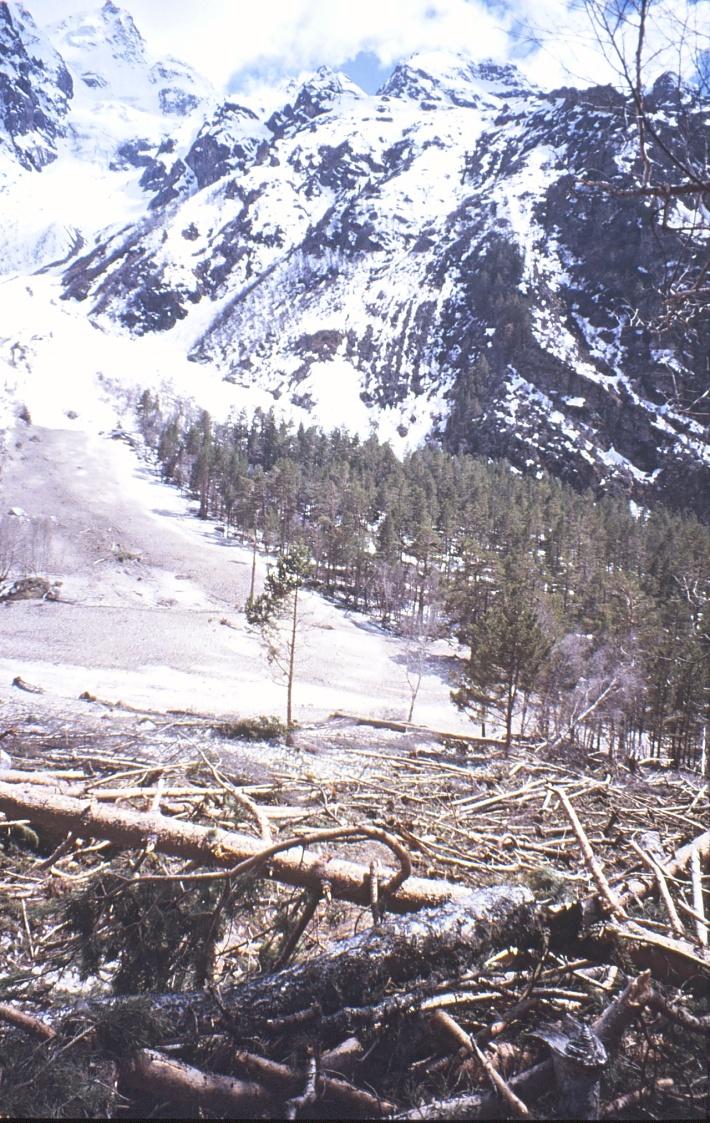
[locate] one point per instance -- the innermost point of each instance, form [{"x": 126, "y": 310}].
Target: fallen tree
[
  {"x": 484, "y": 992},
  {"x": 60, "y": 814}
]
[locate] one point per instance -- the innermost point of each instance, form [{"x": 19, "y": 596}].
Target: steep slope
[
  {"x": 35, "y": 91},
  {"x": 117, "y": 80},
  {"x": 425, "y": 255},
  {"x": 90, "y": 112},
  {"x": 148, "y": 603}
]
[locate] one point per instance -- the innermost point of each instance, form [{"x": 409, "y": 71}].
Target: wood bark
[
  {"x": 209, "y": 846},
  {"x": 578, "y": 1059},
  {"x": 400, "y": 952},
  {"x": 167, "y": 1079}
]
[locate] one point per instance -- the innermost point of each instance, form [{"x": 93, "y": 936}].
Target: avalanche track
[{"x": 150, "y": 603}]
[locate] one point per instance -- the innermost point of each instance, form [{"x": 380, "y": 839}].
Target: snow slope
[{"x": 150, "y": 610}]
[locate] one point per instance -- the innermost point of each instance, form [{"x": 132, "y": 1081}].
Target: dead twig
[
  {"x": 291, "y": 941},
  {"x": 244, "y": 800},
  {"x": 516, "y": 1105},
  {"x": 615, "y": 906},
  {"x": 698, "y": 903},
  {"x": 678, "y": 1015},
  {"x": 676, "y": 923},
  {"x": 631, "y": 1099},
  {"x": 301, "y": 841}
]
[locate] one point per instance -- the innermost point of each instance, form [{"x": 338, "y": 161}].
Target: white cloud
[{"x": 221, "y": 37}]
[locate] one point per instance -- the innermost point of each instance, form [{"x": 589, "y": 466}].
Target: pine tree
[
  {"x": 276, "y": 614},
  {"x": 508, "y": 649}
]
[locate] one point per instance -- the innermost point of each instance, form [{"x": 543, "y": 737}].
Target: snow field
[{"x": 162, "y": 629}]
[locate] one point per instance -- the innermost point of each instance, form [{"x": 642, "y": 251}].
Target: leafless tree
[
  {"x": 588, "y": 686},
  {"x": 10, "y": 534},
  {"x": 420, "y": 632},
  {"x": 25, "y": 546},
  {"x": 635, "y": 37}
]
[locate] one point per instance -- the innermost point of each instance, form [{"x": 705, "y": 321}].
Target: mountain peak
[
  {"x": 325, "y": 86},
  {"x": 110, "y": 58},
  {"x": 454, "y": 78},
  {"x": 315, "y": 94},
  {"x": 108, "y": 30},
  {"x": 35, "y": 91}
]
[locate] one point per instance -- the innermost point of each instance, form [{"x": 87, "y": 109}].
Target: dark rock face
[
  {"x": 35, "y": 90},
  {"x": 463, "y": 83},
  {"x": 133, "y": 154},
  {"x": 177, "y": 94},
  {"x": 438, "y": 239},
  {"x": 174, "y": 100},
  {"x": 121, "y": 33},
  {"x": 316, "y": 97},
  {"x": 224, "y": 144}
]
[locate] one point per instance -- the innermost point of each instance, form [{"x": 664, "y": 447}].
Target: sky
[{"x": 240, "y": 44}]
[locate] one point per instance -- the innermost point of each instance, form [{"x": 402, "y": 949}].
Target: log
[
  {"x": 210, "y": 846},
  {"x": 149, "y": 1071},
  {"x": 28, "y": 687},
  {"x": 12, "y": 1016},
  {"x": 152, "y": 1072},
  {"x": 410, "y": 727},
  {"x": 400, "y": 952},
  {"x": 283, "y": 1080}
]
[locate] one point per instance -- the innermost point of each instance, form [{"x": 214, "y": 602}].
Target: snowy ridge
[
  {"x": 104, "y": 107},
  {"x": 436, "y": 78},
  {"x": 111, "y": 66}
]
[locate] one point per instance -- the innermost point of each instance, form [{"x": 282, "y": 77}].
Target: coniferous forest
[{"x": 580, "y": 618}]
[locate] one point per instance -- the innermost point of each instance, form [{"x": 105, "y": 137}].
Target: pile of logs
[{"x": 563, "y": 973}]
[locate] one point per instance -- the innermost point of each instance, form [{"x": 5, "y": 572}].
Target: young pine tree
[{"x": 276, "y": 614}]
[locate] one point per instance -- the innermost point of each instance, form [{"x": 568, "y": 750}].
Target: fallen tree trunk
[
  {"x": 340, "y": 1093},
  {"x": 411, "y": 727},
  {"x": 167, "y": 1079},
  {"x": 436, "y": 943},
  {"x": 211, "y": 846}
]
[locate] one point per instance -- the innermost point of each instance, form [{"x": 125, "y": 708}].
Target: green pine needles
[{"x": 276, "y": 614}]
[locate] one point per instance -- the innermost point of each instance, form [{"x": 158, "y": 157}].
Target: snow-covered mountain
[
  {"x": 422, "y": 259},
  {"x": 35, "y": 91},
  {"x": 84, "y": 102}
]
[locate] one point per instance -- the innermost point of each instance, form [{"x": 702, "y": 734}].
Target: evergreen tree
[
  {"x": 508, "y": 649},
  {"x": 276, "y": 614},
  {"x": 629, "y": 593}
]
